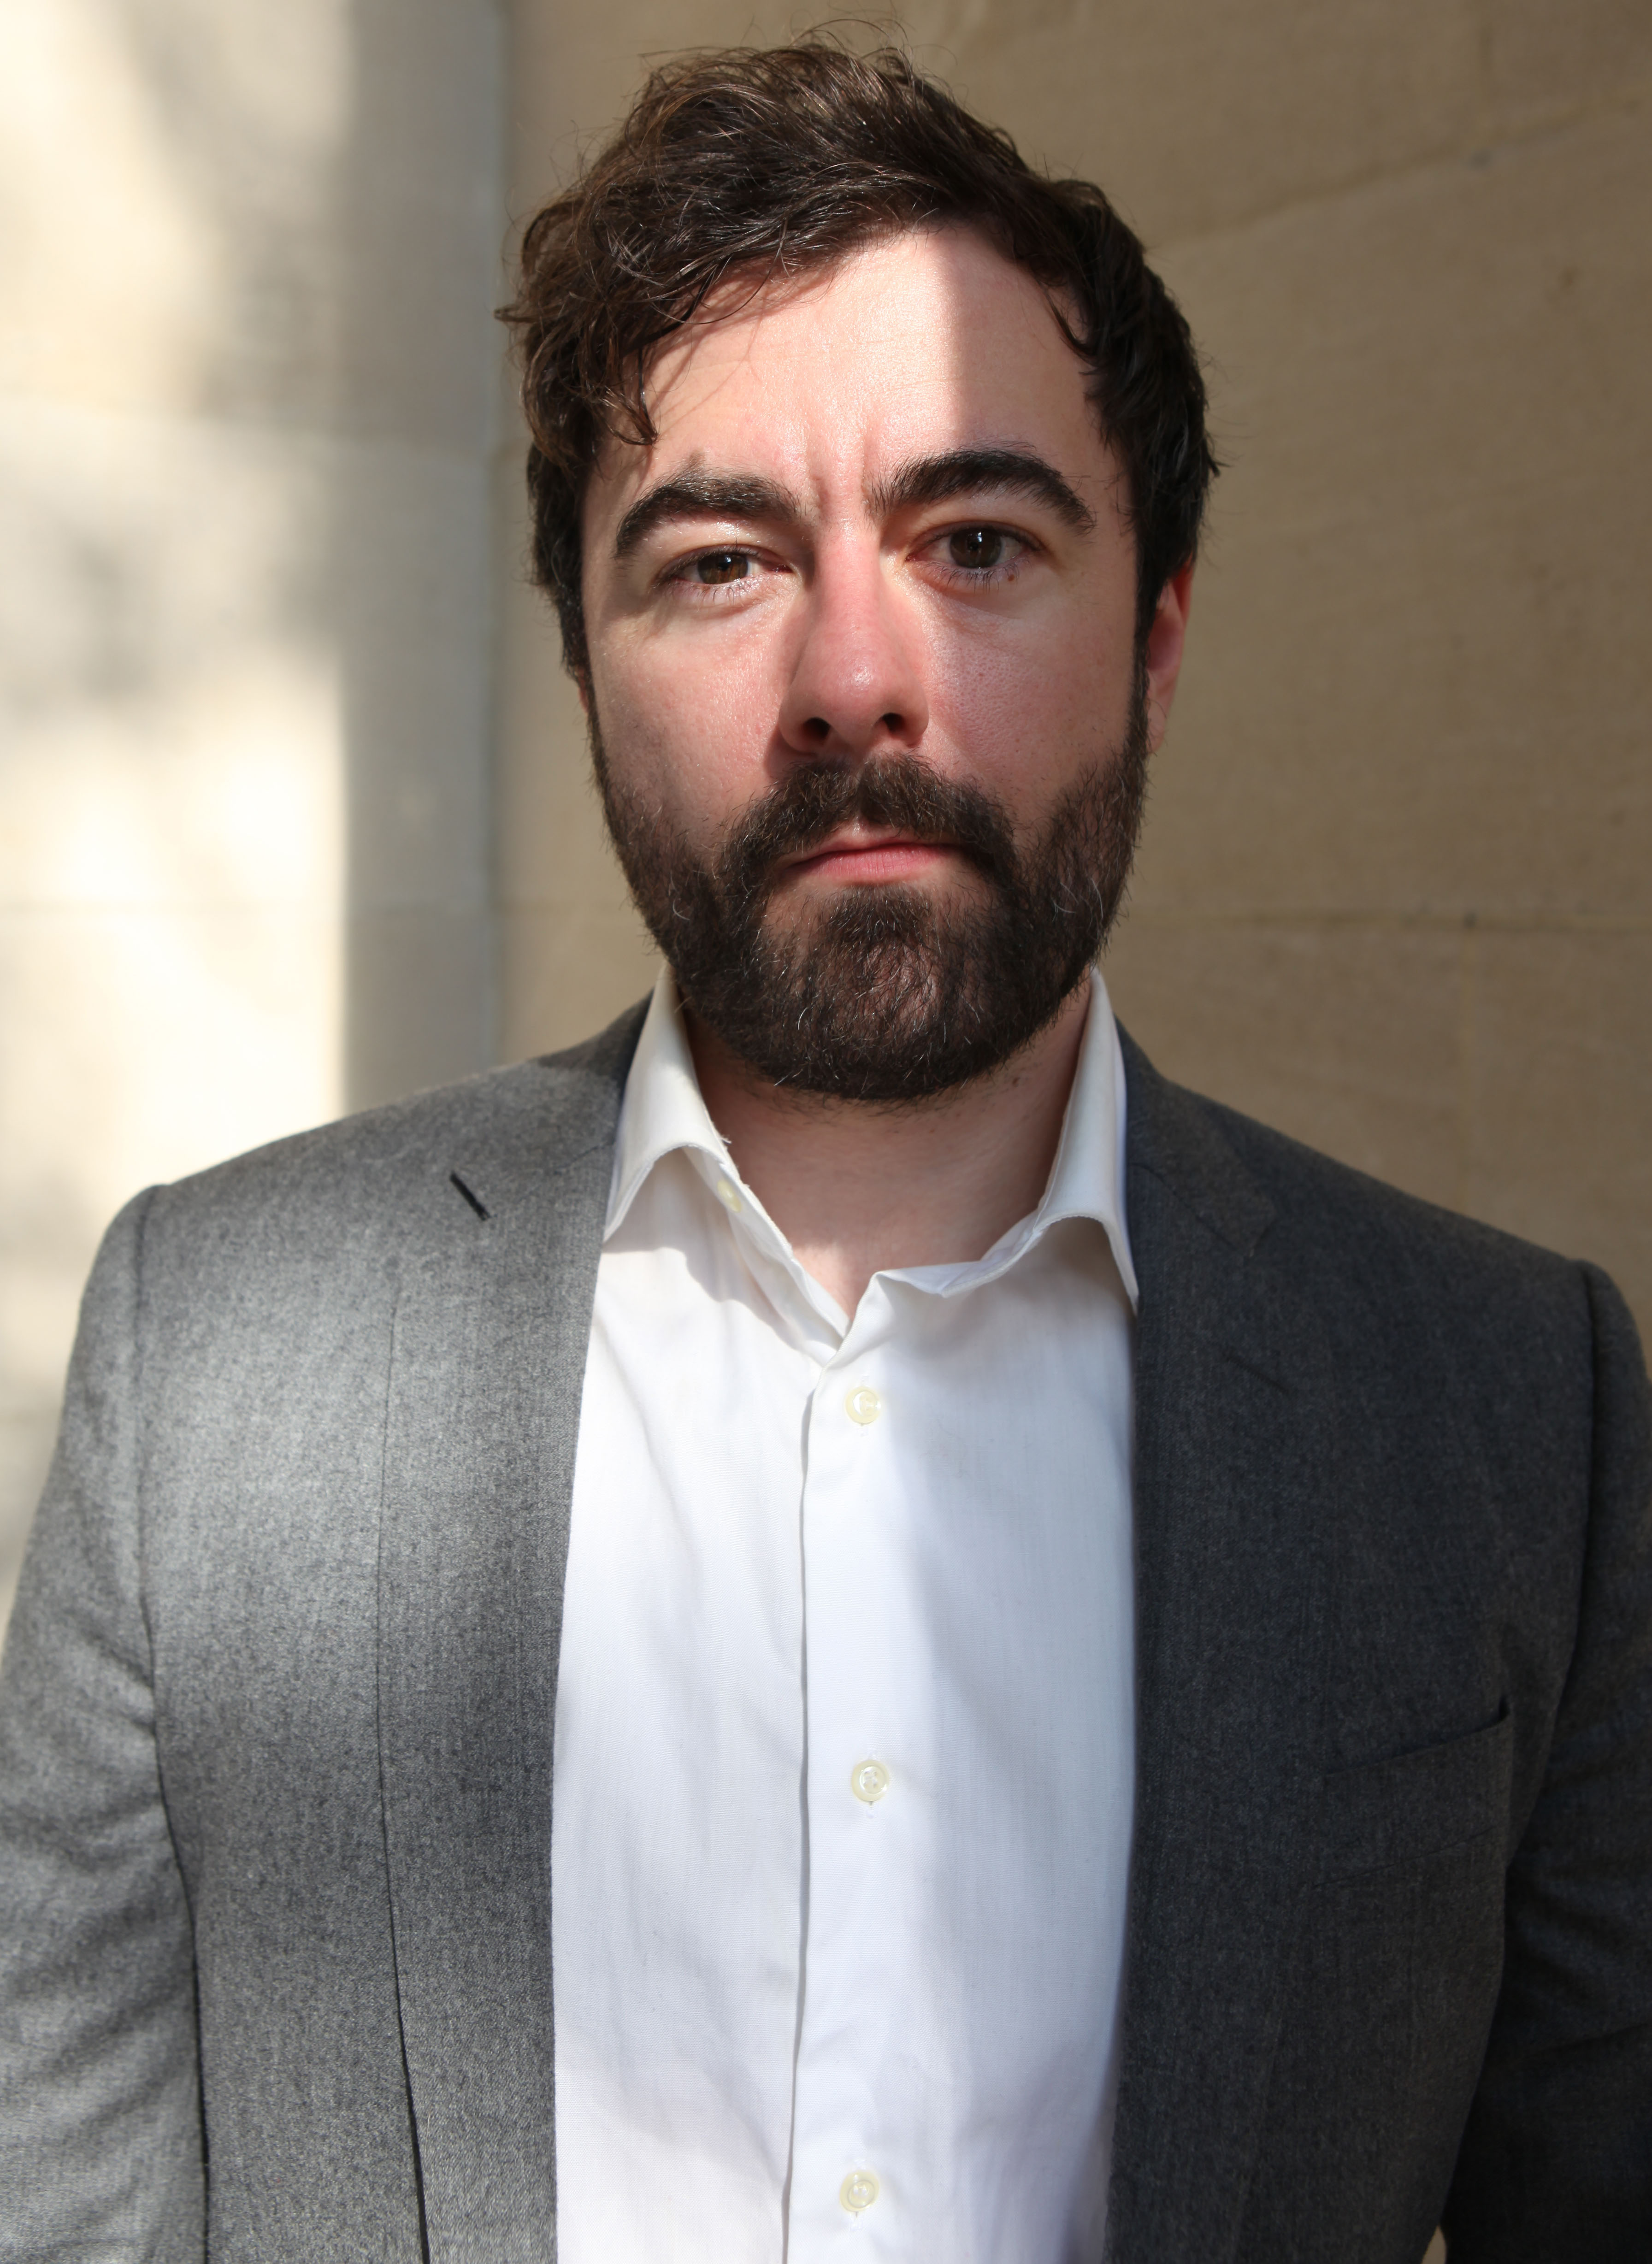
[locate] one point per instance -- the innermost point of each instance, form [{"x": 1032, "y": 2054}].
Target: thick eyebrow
[
  {"x": 703, "y": 495},
  {"x": 927, "y": 480},
  {"x": 978, "y": 471}
]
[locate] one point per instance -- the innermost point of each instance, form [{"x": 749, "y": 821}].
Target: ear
[{"x": 1166, "y": 641}]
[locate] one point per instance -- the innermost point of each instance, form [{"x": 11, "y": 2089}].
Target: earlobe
[{"x": 1167, "y": 639}]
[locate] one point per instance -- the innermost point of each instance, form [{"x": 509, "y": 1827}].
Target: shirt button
[
  {"x": 869, "y": 1781},
  {"x": 864, "y": 1404},
  {"x": 728, "y": 1195},
  {"x": 859, "y": 2190}
]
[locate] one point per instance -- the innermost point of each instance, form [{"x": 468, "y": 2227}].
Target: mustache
[{"x": 810, "y": 803}]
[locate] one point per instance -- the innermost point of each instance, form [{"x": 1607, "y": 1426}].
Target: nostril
[{"x": 817, "y": 728}]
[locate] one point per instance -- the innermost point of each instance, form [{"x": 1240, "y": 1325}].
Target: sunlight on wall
[
  {"x": 171, "y": 790},
  {"x": 109, "y": 273}
]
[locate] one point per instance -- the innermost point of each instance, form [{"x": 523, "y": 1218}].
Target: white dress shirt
[{"x": 845, "y": 1759}]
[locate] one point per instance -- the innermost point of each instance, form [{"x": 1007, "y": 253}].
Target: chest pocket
[{"x": 1416, "y": 1804}]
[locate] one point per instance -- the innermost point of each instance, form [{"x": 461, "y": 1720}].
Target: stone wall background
[{"x": 294, "y": 811}]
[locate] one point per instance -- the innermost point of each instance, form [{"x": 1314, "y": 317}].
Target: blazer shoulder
[
  {"x": 500, "y": 1132},
  {"x": 1339, "y": 1226}
]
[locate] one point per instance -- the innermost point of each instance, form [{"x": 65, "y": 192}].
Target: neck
[{"x": 858, "y": 1189}]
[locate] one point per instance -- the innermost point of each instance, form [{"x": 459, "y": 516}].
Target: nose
[{"x": 856, "y": 683}]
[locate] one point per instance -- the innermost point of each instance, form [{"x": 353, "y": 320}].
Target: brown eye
[
  {"x": 721, "y": 566},
  {"x": 976, "y": 546}
]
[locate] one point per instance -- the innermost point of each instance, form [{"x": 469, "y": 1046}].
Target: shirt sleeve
[
  {"x": 1556, "y": 2160},
  {"x": 100, "y": 2124}
]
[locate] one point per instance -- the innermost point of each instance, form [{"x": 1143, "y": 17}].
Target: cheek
[
  {"x": 683, "y": 728},
  {"x": 1033, "y": 708}
]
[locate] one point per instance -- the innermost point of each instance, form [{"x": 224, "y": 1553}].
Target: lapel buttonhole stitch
[{"x": 475, "y": 1201}]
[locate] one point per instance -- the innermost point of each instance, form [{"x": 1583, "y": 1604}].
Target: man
[{"x": 839, "y": 1617}]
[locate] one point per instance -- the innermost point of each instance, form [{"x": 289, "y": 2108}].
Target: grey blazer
[{"x": 275, "y": 1724}]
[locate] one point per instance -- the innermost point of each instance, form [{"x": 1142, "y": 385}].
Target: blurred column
[{"x": 247, "y": 401}]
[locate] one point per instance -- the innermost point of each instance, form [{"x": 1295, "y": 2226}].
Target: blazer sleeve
[
  {"x": 100, "y": 2123},
  {"x": 1556, "y": 2161}
]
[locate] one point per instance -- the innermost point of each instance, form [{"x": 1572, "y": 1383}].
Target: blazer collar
[
  {"x": 486, "y": 1365},
  {"x": 1235, "y": 1470}
]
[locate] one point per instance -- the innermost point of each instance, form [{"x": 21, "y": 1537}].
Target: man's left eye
[
  {"x": 714, "y": 566},
  {"x": 977, "y": 547}
]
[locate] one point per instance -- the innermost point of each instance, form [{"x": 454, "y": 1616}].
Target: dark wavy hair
[{"x": 754, "y": 162}]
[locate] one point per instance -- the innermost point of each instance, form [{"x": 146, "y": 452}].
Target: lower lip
[{"x": 892, "y": 861}]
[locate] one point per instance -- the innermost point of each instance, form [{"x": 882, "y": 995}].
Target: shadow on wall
[
  {"x": 247, "y": 385},
  {"x": 419, "y": 358}
]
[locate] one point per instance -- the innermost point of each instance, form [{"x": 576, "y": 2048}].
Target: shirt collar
[
  {"x": 663, "y": 1112},
  {"x": 1087, "y": 1178}
]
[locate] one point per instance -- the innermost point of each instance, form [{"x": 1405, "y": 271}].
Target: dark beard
[{"x": 886, "y": 996}]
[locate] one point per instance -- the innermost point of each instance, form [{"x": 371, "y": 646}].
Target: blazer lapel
[
  {"x": 1234, "y": 1468},
  {"x": 1233, "y": 1456},
  {"x": 486, "y": 1367}
]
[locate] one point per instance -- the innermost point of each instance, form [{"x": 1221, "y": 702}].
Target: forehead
[{"x": 908, "y": 347}]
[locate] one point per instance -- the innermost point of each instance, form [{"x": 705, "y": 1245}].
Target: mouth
[{"x": 857, "y": 854}]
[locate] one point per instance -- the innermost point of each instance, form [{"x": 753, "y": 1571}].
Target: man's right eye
[{"x": 976, "y": 548}]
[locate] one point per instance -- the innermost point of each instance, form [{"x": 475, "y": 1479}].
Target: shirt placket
[{"x": 865, "y": 1803}]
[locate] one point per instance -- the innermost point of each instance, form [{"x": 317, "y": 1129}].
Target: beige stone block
[
  {"x": 26, "y": 1438},
  {"x": 172, "y": 721},
  {"x": 203, "y": 616},
  {"x": 1192, "y": 115},
  {"x": 249, "y": 669},
  {"x": 1417, "y": 676},
  {"x": 1345, "y": 1037},
  {"x": 549, "y": 821},
  {"x": 1455, "y": 318},
  {"x": 1547, "y": 56},
  {"x": 107, "y": 236},
  {"x": 142, "y": 1044},
  {"x": 558, "y": 849},
  {"x": 283, "y": 212},
  {"x": 553, "y": 842},
  {"x": 573, "y": 71},
  {"x": 408, "y": 582},
  {"x": 1560, "y": 1080},
  {"x": 1443, "y": 716},
  {"x": 572, "y": 951},
  {"x": 417, "y": 219},
  {"x": 419, "y": 989},
  {"x": 570, "y": 969}
]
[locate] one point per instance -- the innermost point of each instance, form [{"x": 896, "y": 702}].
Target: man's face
[{"x": 864, "y": 687}]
